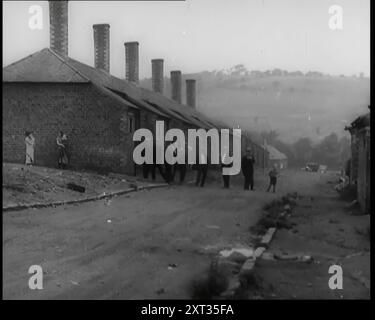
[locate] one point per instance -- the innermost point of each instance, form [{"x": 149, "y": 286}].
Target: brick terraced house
[
  {"x": 48, "y": 92},
  {"x": 360, "y": 163}
]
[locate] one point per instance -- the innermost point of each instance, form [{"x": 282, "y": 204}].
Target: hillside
[{"x": 295, "y": 105}]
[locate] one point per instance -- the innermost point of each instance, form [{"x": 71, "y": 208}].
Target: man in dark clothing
[
  {"x": 169, "y": 172},
  {"x": 180, "y": 167},
  {"x": 224, "y": 164},
  {"x": 247, "y": 166},
  {"x": 202, "y": 169},
  {"x": 152, "y": 167}
]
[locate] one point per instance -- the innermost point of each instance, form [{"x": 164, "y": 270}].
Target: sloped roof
[
  {"x": 42, "y": 66},
  {"x": 48, "y": 66},
  {"x": 275, "y": 154}
]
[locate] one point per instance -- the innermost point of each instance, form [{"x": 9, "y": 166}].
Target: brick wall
[{"x": 96, "y": 125}]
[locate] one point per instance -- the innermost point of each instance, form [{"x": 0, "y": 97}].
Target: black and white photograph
[{"x": 195, "y": 150}]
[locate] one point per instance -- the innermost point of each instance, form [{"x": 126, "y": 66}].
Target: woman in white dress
[{"x": 30, "y": 145}]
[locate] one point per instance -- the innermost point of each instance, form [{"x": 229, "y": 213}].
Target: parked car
[
  {"x": 322, "y": 168},
  {"x": 312, "y": 167}
]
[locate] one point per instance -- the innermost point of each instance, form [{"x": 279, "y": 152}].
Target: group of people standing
[
  {"x": 61, "y": 141},
  {"x": 168, "y": 171}
]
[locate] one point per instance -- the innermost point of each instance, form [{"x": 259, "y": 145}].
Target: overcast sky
[{"x": 197, "y": 35}]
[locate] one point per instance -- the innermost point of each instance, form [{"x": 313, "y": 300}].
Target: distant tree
[
  {"x": 329, "y": 150},
  {"x": 239, "y": 70},
  {"x": 267, "y": 73},
  {"x": 313, "y": 74},
  {"x": 345, "y": 149},
  {"x": 303, "y": 150},
  {"x": 277, "y": 72},
  {"x": 255, "y": 73},
  {"x": 296, "y": 73},
  {"x": 287, "y": 150},
  {"x": 269, "y": 136}
]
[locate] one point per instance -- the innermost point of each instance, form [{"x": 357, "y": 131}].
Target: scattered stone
[
  {"x": 267, "y": 237},
  {"x": 160, "y": 291},
  {"x": 268, "y": 256},
  {"x": 233, "y": 286},
  {"x": 259, "y": 252},
  {"x": 283, "y": 214},
  {"x": 237, "y": 257},
  {"x": 307, "y": 259},
  {"x": 75, "y": 187},
  {"x": 246, "y": 252},
  {"x": 212, "y": 227},
  {"x": 333, "y": 221},
  {"x": 228, "y": 267},
  {"x": 289, "y": 257},
  {"x": 352, "y": 204},
  {"x": 247, "y": 269}
]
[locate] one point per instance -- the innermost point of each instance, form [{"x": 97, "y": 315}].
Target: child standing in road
[{"x": 273, "y": 174}]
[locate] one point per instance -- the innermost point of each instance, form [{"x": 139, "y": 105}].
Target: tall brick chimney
[
  {"x": 132, "y": 61},
  {"x": 158, "y": 75},
  {"x": 191, "y": 93},
  {"x": 58, "y": 17},
  {"x": 176, "y": 85},
  {"x": 102, "y": 45}
]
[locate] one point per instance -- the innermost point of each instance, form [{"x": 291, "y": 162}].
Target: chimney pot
[
  {"x": 176, "y": 85},
  {"x": 132, "y": 61},
  {"x": 158, "y": 75},
  {"x": 58, "y": 17},
  {"x": 102, "y": 46}
]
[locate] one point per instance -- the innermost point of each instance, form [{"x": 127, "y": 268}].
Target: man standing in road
[
  {"x": 202, "y": 168},
  {"x": 247, "y": 166}
]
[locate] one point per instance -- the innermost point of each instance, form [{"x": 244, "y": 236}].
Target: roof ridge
[{"x": 63, "y": 60}]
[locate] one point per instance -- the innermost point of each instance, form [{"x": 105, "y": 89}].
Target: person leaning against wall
[
  {"x": 61, "y": 142},
  {"x": 30, "y": 146}
]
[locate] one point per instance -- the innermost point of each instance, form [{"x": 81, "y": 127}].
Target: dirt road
[
  {"x": 329, "y": 231},
  {"x": 145, "y": 245}
]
